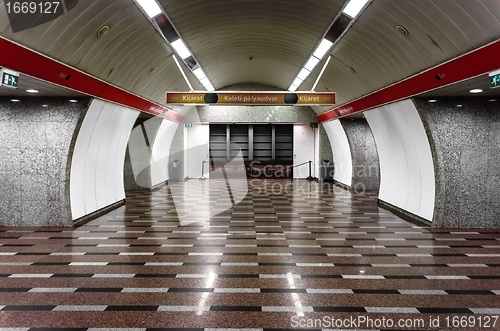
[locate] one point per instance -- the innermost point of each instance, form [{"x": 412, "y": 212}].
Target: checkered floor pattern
[{"x": 290, "y": 255}]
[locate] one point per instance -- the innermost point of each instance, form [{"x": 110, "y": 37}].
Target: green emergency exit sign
[
  {"x": 189, "y": 125},
  {"x": 494, "y": 79},
  {"x": 10, "y": 78}
]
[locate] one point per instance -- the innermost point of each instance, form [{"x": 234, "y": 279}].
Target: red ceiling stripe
[
  {"x": 18, "y": 58},
  {"x": 475, "y": 63}
]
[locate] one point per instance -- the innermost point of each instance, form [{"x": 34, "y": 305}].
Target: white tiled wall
[
  {"x": 96, "y": 179},
  {"x": 406, "y": 166},
  {"x": 342, "y": 159}
]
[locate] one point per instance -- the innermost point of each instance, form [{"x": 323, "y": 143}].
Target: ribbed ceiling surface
[{"x": 278, "y": 34}]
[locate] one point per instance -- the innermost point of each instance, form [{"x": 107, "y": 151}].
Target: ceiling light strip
[
  {"x": 321, "y": 73},
  {"x": 342, "y": 22},
  {"x": 355, "y": 7},
  {"x": 182, "y": 72},
  {"x": 159, "y": 19},
  {"x": 150, "y": 7}
]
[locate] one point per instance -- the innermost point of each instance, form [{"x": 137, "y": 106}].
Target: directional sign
[
  {"x": 252, "y": 98},
  {"x": 9, "y": 78}
]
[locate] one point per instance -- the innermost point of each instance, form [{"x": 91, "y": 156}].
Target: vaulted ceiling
[{"x": 261, "y": 41}]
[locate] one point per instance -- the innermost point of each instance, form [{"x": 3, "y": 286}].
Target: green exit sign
[
  {"x": 494, "y": 79},
  {"x": 189, "y": 125},
  {"x": 9, "y": 78}
]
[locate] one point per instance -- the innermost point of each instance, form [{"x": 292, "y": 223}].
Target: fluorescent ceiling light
[
  {"x": 323, "y": 48},
  {"x": 150, "y": 7},
  {"x": 199, "y": 73},
  {"x": 181, "y": 49},
  {"x": 354, "y": 7},
  {"x": 476, "y": 90},
  {"x": 205, "y": 81},
  {"x": 297, "y": 82},
  {"x": 432, "y": 100},
  {"x": 303, "y": 74},
  {"x": 32, "y": 91},
  {"x": 321, "y": 73},
  {"x": 293, "y": 88},
  {"x": 313, "y": 61},
  {"x": 209, "y": 87},
  {"x": 15, "y": 100},
  {"x": 73, "y": 101}
]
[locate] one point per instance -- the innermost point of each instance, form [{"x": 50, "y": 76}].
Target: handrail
[
  {"x": 202, "y": 168},
  {"x": 310, "y": 177},
  {"x": 298, "y": 165}
]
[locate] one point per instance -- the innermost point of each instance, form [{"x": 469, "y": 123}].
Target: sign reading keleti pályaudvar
[{"x": 251, "y": 98}]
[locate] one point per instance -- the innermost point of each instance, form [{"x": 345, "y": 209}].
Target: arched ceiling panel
[
  {"x": 438, "y": 31},
  {"x": 279, "y": 35},
  {"x": 223, "y": 34}
]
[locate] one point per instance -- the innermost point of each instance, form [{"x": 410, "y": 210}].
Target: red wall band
[
  {"x": 29, "y": 62},
  {"x": 475, "y": 63}
]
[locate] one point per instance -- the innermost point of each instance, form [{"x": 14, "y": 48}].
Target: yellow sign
[{"x": 252, "y": 98}]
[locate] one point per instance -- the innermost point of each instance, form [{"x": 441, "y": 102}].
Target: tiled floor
[{"x": 291, "y": 255}]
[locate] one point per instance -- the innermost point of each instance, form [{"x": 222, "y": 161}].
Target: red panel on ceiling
[
  {"x": 26, "y": 61},
  {"x": 172, "y": 115},
  {"x": 475, "y": 63}
]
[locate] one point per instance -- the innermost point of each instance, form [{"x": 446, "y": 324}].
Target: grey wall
[
  {"x": 177, "y": 153},
  {"x": 365, "y": 161},
  {"x": 465, "y": 144},
  {"x": 138, "y": 158},
  {"x": 35, "y": 145},
  {"x": 252, "y": 114},
  {"x": 129, "y": 181},
  {"x": 325, "y": 148}
]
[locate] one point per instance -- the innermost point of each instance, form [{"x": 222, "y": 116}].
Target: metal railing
[{"x": 310, "y": 177}]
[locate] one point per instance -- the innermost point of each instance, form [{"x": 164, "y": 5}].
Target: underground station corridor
[{"x": 249, "y": 165}]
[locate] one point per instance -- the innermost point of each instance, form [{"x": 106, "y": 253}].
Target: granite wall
[
  {"x": 138, "y": 158},
  {"x": 365, "y": 162},
  {"x": 36, "y": 138},
  {"x": 253, "y": 114},
  {"x": 465, "y": 144},
  {"x": 177, "y": 153},
  {"x": 325, "y": 148}
]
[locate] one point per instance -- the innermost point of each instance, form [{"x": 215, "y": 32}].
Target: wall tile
[
  {"x": 365, "y": 161},
  {"x": 34, "y": 144},
  {"x": 466, "y": 154}
]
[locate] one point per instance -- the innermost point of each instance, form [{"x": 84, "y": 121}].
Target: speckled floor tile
[{"x": 300, "y": 253}]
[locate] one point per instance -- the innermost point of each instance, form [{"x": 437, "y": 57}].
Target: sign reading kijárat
[{"x": 252, "y": 98}]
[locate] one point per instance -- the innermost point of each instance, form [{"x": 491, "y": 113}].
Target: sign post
[{"x": 9, "y": 78}]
